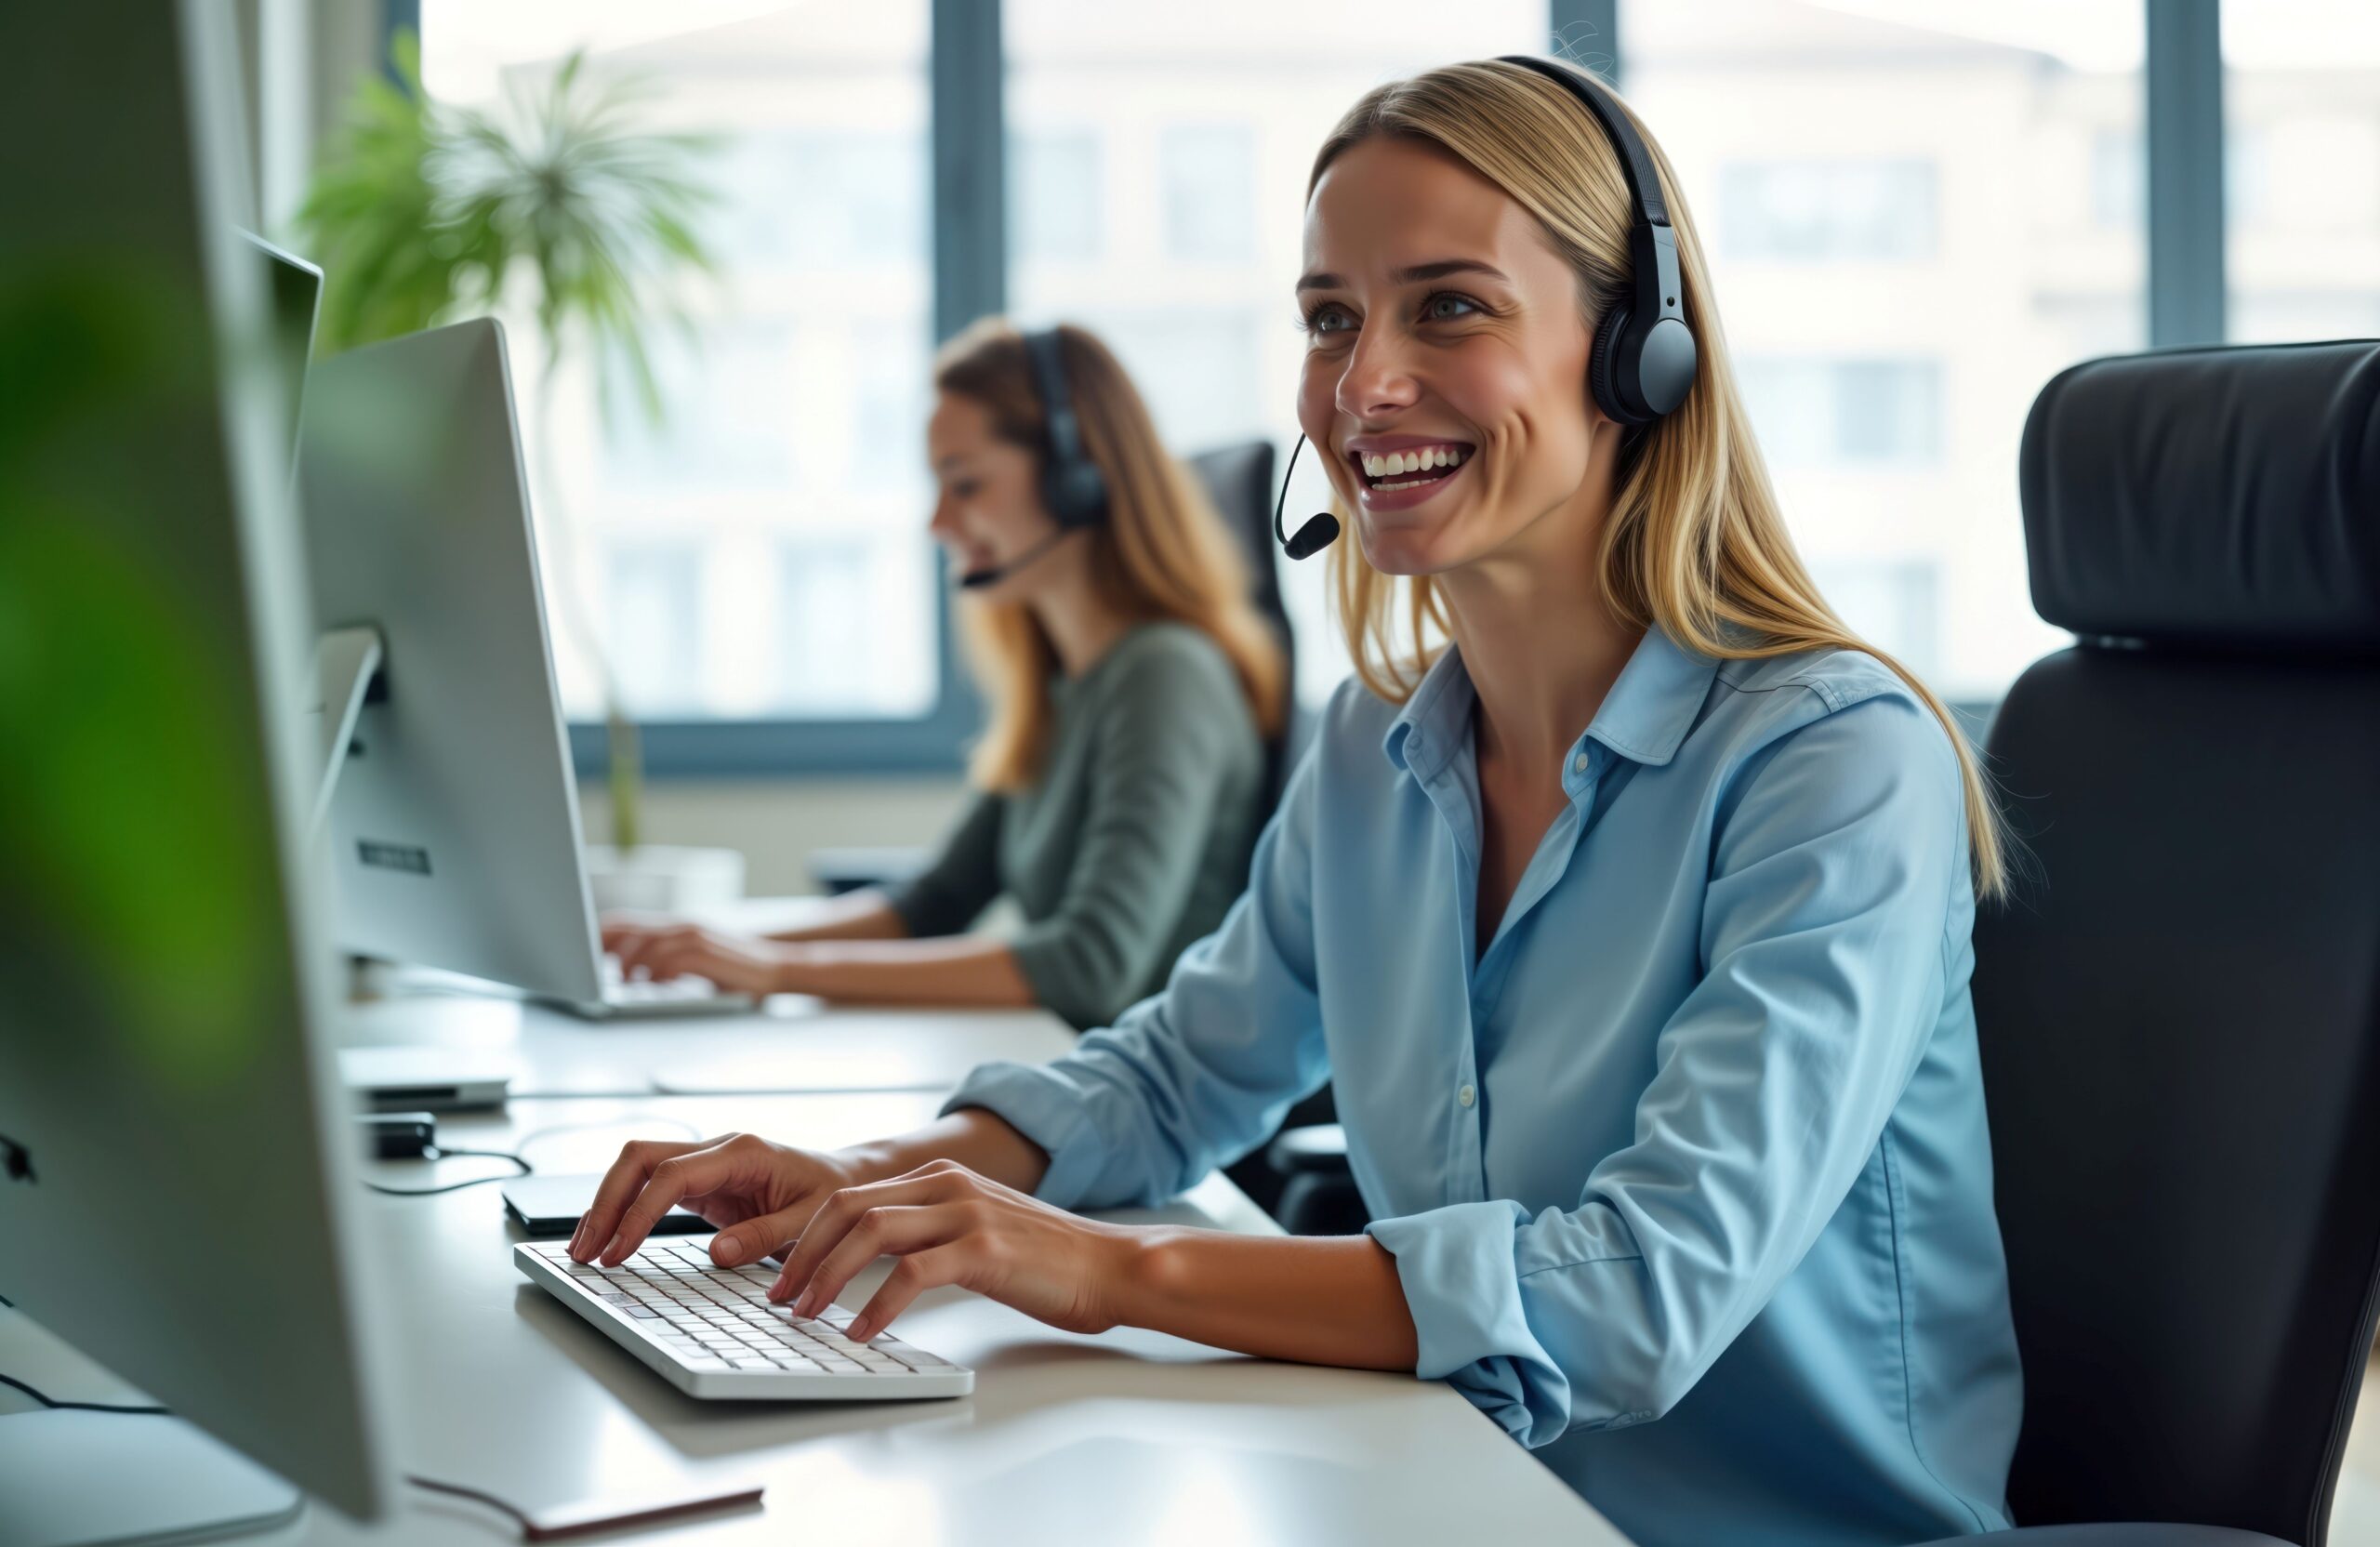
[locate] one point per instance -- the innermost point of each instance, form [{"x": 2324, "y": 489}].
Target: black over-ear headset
[
  {"x": 1072, "y": 486},
  {"x": 1073, "y": 489},
  {"x": 1642, "y": 362}
]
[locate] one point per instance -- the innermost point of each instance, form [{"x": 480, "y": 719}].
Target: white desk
[{"x": 1127, "y": 1437}]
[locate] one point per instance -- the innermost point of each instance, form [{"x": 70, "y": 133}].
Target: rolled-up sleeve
[
  {"x": 1824, "y": 946},
  {"x": 1199, "y": 1074}
]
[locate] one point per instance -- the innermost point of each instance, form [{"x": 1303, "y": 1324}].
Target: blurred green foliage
[{"x": 135, "y": 853}]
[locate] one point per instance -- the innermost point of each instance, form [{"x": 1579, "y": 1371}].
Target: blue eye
[
  {"x": 1440, "y": 307},
  {"x": 1329, "y": 317}
]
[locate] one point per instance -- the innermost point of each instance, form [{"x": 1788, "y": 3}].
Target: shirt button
[
  {"x": 1466, "y": 1096},
  {"x": 1580, "y": 762}
]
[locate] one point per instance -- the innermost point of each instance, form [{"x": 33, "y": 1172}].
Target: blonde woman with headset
[
  {"x": 1121, "y": 783},
  {"x": 1631, "y": 926}
]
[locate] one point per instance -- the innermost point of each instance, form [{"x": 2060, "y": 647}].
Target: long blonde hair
[
  {"x": 1695, "y": 541},
  {"x": 1161, "y": 554}
]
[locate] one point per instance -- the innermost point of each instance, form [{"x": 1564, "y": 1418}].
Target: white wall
[{"x": 778, "y": 822}]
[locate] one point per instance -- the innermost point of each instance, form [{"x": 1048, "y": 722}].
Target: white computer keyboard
[
  {"x": 630, "y": 998},
  {"x": 712, "y": 1332}
]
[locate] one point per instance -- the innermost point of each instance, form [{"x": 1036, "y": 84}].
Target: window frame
[{"x": 969, "y": 149}]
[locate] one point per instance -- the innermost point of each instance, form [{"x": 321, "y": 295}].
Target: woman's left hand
[
  {"x": 662, "y": 950},
  {"x": 946, "y": 1225}
]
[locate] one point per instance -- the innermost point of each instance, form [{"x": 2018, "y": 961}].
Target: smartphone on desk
[{"x": 550, "y": 1205}]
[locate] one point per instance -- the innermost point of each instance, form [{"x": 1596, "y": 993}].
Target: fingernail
[
  {"x": 803, "y": 1307},
  {"x": 725, "y": 1250},
  {"x": 861, "y": 1331}
]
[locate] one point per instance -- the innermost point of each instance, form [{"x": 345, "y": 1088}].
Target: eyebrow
[{"x": 1419, "y": 274}]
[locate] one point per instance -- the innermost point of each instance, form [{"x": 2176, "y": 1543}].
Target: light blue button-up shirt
[{"x": 1686, "y": 1175}]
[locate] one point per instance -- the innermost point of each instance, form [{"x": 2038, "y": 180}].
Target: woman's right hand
[{"x": 759, "y": 1194}]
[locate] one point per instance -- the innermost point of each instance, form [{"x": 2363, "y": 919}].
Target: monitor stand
[
  {"x": 77, "y": 1479},
  {"x": 347, "y": 671}
]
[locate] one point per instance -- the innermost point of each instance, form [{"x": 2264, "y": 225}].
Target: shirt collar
[{"x": 1645, "y": 717}]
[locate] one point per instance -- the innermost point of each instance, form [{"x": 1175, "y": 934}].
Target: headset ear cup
[
  {"x": 1077, "y": 495},
  {"x": 1602, "y": 365}
]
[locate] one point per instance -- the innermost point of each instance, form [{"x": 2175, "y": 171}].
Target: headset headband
[
  {"x": 1644, "y": 359},
  {"x": 1072, "y": 486},
  {"x": 1635, "y": 162},
  {"x": 1057, "y": 397}
]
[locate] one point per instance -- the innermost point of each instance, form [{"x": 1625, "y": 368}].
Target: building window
[
  {"x": 794, "y": 394},
  {"x": 1843, "y": 412},
  {"x": 1054, "y": 205},
  {"x": 1827, "y": 211},
  {"x": 2301, "y": 109},
  {"x": 1208, "y": 172},
  {"x": 1915, "y": 214}
]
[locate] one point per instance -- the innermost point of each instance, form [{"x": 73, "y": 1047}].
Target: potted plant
[{"x": 424, "y": 212}]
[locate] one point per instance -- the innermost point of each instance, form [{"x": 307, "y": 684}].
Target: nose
[
  {"x": 1376, "y": 378},
  {"x": 942, "y": 525}
]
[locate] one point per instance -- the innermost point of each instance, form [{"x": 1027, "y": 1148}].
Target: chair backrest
[
  {"x": 1239, "y": 480},
  {"x": 2180, "y": 1011}
]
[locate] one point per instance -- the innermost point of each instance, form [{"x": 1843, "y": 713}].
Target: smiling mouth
[{"x": 1410, "y": 470}]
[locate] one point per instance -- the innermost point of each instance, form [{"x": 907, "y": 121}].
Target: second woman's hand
[
  {"x": 943, "y": 1223},
  {"x": 737, "y": 963}
]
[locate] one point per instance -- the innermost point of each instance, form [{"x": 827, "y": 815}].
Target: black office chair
[{"x": 2180, "y": 1016}]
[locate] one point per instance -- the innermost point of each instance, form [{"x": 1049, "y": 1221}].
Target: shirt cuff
[
  {"x": 1047, "y": 1109},
  {"x": 1462, "y": 1284}
]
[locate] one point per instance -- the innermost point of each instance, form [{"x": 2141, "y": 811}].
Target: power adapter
[{"x": 398, "y": 1135}]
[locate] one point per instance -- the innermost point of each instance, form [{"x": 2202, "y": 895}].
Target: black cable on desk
[
  {"x": 55, "y": 1405},
  {"x": 436, "y": 1153}
]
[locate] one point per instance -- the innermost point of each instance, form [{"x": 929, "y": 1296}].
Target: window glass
[
  {"x": 729, "y": 559},
  {"x": 1916, "y": 211},
  {"x": 2301, "y": 112}
]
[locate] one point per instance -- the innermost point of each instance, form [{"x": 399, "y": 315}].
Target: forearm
[
  {"x": 864, "y": 915},
  {"x": 978, "y": 1140},
  {"x": 1316, "y": 1300},
  {"x": 960, "y": 969}
]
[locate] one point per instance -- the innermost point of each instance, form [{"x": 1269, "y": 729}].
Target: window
[
  {"x": 1875, "y": 413},
  {"x": 1205, "y": 122},
  {"x": 724, "y": 559},
  {"x": 1054, "y": 205},
  {"x": 2301, "y": 107},
  {"x": 730, "y": 424},
  {"x": 654, "y": 602},
  {"x": 1822, "y": 211},
  {"x": 1916, "y": 213},
  {"x": 1209, "y": 174}
]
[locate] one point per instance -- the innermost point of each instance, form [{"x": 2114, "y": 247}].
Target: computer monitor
[
  {"x": 453, "y": 825},
  {"x": 295, "y": 289},
  {"x": 176, "y": 1185}
]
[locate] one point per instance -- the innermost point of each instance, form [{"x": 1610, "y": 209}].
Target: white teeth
[{"x": 1398, "y": 462}]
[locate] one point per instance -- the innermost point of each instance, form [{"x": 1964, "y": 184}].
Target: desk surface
[{"x": 1126, "y": 1436}]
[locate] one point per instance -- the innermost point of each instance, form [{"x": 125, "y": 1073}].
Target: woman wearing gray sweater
[{"x": 1119, "y": 785}]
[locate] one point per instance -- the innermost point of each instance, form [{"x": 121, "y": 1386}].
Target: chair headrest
[{"x": 2210, "y": 497}]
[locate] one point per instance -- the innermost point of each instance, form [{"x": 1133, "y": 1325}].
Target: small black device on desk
[
  {"x": 550, "y": 1205},
  {"x": 398, "y": 1135}
]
